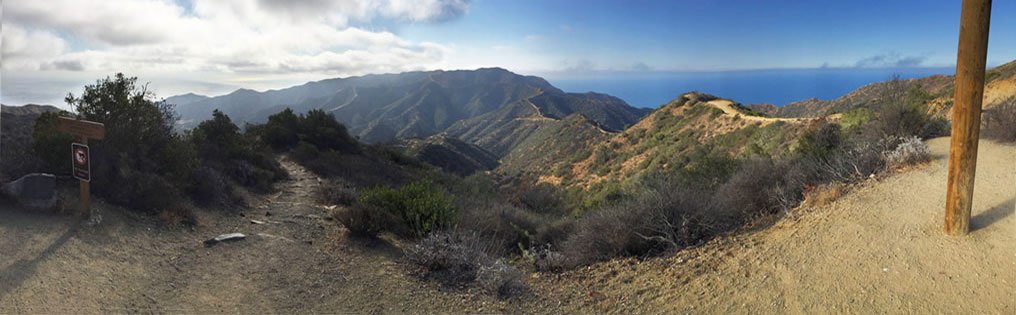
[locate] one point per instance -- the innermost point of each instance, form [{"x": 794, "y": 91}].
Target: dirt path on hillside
[
  {"x": 728, "y": 108},
  {"x": 298, "y": 262},
  {"x": 879, "y": 249}
]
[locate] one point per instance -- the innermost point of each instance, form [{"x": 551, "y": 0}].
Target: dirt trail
[
  {"x": 298, "y": 262},
  {"x": 728, "y": 108},
  {"x": 878, "y": 249}
]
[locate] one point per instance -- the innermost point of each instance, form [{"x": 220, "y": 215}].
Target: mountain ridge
[{"x": 382, "y": 107}]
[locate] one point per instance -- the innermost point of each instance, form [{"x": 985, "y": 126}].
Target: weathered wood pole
[
  {"x": 970, "y": 62},
  {"x": 86, "y": 210}
]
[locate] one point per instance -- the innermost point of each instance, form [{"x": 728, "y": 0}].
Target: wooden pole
[
  {"x": 970, "y": 62},
  {"x": 86, "y": 211}
]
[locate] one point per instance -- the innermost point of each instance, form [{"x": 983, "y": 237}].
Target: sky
[{"x": 212, "y": 47}]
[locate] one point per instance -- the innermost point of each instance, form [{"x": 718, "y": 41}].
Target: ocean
[{"x": 778, "y": 87}]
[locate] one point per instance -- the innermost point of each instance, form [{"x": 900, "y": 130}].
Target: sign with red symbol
[{"x": 79, "y": 157}]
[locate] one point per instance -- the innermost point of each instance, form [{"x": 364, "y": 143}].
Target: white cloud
[
  {"x": 19, "y": 44},
  {"x": 242, "y": 39}
]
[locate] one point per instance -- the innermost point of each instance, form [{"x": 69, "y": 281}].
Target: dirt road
[
  {"x": 297, "y": 262},
  {"x": 878, "y": 249}
]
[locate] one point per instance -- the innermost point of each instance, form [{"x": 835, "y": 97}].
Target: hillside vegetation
[
  {"x": 1000, "y": 84},
  {"x": 450, "y": 154}
]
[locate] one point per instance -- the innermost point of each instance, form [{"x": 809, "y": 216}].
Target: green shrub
[
  {"x": 364, "y": 220},
  {"x": 991, "y": 75},
  {"x": 221, "y": 146},
  {"x": 50, "y": 145},
  {"x": 821, "y": 142},
  {"x": 716, "y": 112},
  {"x": 141, "y": 163},
  {"x": 286, "y": 129},
  {"x": 855, "y": 118},
  {"x": 420, "y": 205}
]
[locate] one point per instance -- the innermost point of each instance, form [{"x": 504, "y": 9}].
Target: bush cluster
[
  {"x": 910, "y": 151},
  {"x": 419, "y": 208},
  {"x": 651, "y": 223},
  {"x": 458, "y": 258},
  {"x": 286, "y": 130},
  {"x": 228, "y": 157},
  {"x": 142, "y": 163}
]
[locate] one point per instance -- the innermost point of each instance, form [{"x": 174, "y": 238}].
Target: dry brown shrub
[
  {"x": 824, "y": 194},
  {"x": 178, "y": 214}
]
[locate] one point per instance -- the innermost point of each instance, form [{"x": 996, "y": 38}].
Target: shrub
[
  {"x": 502, "y": 226},
  {"x": 540, "y": 198},
  {"x": 364, "y": 220},
  {"x": 456, "y": 258},
  {"x": 820, "y": 142},
  {"x": 338, "y": 192},
  {"x": 285, "y": 129},
  {"x": 909, "y": 152},
  {"x": 222, "y": 147},
  {"x": 451, "y": 257},
  {"x": 545, "y": 258},
  {"x": 862, "y": 156},
  {"x": 902, "y": 112},
  {"x": 51, "y": 145},
  {"x": 281, "y": 130},
  {"x": 716, "y": 112},
  {"x": 650, "y": 223},
  {"x": 420, "y": 205},
  {"x": 1000, "y": 121},
  {"x": 501, "y": 279},
  {"x": 824, "y": 194},
  {"x": 855, "y": 118},
  {"x": 210, "y": 187},
  {"x": 305, "y": 151},
  {"x": 141, "y": 162},
  {"x": 761, "y": 187}
]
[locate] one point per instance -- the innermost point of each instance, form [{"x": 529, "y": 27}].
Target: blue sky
[
  {"x": 213, "y": 46},
  {"x": 718, "y": 35}
]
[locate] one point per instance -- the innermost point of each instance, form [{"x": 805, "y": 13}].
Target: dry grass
[
  {"x": 178, "y": 214},
  {"x": 824, "y": 194}
]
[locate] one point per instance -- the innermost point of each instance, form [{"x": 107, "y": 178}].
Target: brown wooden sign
[
  {"x": 81, "y": 128},
  {"x": 80, "y": 158}
]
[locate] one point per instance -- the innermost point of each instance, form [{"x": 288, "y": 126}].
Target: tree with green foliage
[
  {"x": 50, "y": 145},
  {"x": 140, "y": 162}
]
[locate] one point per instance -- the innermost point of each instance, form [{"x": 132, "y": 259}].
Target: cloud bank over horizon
[{"x": 223, "y": 42}]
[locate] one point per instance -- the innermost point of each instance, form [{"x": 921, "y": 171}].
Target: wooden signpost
[
  {"x": 80, "y": 158},
  {"x": 971, "y": 59}
]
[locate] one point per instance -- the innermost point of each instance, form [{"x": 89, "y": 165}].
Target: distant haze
[{"x": 778, "y": 87}]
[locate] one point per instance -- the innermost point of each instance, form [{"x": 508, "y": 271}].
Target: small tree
[
  {"x": 901, "y": 111},
  {"x": 50, "y": 145},
  {"x": 141, "y": 162}
]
